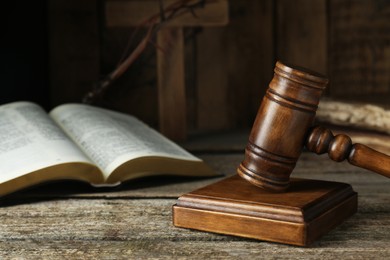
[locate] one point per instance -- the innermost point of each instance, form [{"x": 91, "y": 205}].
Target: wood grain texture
[
  {"x": 250, "y": 52},
  {"x": 321, "y": 140},
  {"x": 375, "y": 140},
  {"x": 171, "y": 83},
  {"x": 302, "y": 33},
  {"x": 281, "y": 125},
  {"x": 232, "y": 81},
  {"x": 135, "y": 222},
  {"x": 214, "y": 13},
  {"x": 308, "y": 210},
  {"x": 360, "y": 48},
  {"x": 211, "y": 90},
  {"x": 238, "y": 58},
  {"x": 142, "y": 228}
]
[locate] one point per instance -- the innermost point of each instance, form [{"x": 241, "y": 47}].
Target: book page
[
  {"x": 111, "y": 138},
  {"x": 30, "y": 140}
]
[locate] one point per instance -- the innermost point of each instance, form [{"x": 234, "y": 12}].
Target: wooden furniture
[
  {"x": 72, "y": 220},
  {"x": 342, "y": 40},
  {"x": 172, "y": 105}
]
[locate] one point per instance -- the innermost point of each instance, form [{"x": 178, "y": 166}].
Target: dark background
[
  {"x": 54, "y": 51},
  {"x": 24, "y": 52}
]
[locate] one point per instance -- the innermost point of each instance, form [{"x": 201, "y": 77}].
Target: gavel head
[{"x": 282, "y": 123}]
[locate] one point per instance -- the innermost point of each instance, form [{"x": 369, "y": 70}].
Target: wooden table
[{"x": 73, "y": 220}]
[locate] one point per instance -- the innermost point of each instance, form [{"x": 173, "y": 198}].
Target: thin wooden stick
[{"x": 171, "y": 11}]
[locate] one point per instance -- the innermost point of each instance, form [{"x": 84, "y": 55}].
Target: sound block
[{"x": 299, "y": 216}]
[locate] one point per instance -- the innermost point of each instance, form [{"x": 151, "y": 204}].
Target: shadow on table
[{"x": 71, "y": 189}]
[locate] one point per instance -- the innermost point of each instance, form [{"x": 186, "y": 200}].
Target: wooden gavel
[{"x": 283, "y": 126}]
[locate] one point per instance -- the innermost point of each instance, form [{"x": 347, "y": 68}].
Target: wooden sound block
[{"x": 233, "y": 206}]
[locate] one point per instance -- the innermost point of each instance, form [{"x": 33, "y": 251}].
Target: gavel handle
[{"x": 321, "y": 140}]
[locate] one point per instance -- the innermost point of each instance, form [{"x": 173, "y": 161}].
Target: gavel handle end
[
  {"x": 367, "y": 158},
  {"x": 321, "y": 140}
]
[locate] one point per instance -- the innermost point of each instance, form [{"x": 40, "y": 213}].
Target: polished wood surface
[
  {"x": 340, "y": 147},
  {"x": 233, "y": 206},
  {"x": 284, "y": 117},
  {"x": 283, "y": 125}
]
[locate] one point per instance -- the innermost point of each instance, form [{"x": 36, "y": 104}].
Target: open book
[{"x": 86, "y": 143}]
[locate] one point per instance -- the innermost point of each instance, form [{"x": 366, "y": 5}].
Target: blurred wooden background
[{"x": 227, "y": 68}]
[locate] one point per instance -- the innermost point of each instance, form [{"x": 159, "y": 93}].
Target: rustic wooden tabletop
[{"x": 134, "y": 221}]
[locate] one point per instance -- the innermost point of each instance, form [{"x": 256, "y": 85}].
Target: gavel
[{"x": 284, "y": 125}]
